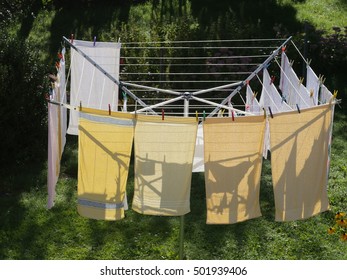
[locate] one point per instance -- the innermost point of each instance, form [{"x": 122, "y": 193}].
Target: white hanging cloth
[
  {"x": 312, "y": 84},
  {"x": 252, "y": 104},
  {"x": 57, "y": 124},
  {"x": 270, "y": 97},
  {"x": 198, "y": 161},
  {"x": 293, "y": 91},
  {"x": 325, "y": 95},
  {"x": 89, "y": 86}
]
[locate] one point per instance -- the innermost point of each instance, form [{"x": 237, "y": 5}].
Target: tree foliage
[{"x": 23, "y": 108}]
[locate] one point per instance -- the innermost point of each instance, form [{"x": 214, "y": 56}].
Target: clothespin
[
  {"x": 284, "y": 98},
  {"x": 291, "y": 63},
  {"x": 247, "y": 82},
  {"x": 311, "y": 92},
  {"x": 109, "y": 109},
  {"x": 272, "y": 116},
  {"x": 301, "y": 81},
  {"x": 232, "y": 115},
  {"x": 80, "y": 105},
  {"x": 284, "y": 48},
  {"x": 196, "y": 116},
  {"x": 94, "y": 41},
  {"x": 272, "y": 79},
  {"x": 264, "y": 113},
  {"x": 60, "y": 55},
  {"x": 71, "y": 38},
  {"x": 204, "y": 115},
  {"x": 124, "y": 95},
  {"x": 297, "y": 107},
  {"x": 333, "y": 97},
  {"x": 162, "y": 114}
]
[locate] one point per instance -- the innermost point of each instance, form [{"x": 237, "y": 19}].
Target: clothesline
[
  {"x": 202, "y": 41},
  {"x": 193, "y": 57}
]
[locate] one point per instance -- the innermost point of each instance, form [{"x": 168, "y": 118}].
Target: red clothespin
[
  {"x": 272, "y": 79},
  {"x": 247, "y": 82},
  {"x": 94, "y": 41},
  {"x": 60, "y": 56},
  {"x": 72, "y": 38},
  {"x": 109, "y": 109},
  {"x": 162, "y": 114},
  {"x": 57, "y": 65},
  {"x": 284, "y": 48},
  {"x": 232, "y": 115}
]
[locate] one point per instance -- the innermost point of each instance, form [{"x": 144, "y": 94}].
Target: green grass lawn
[
  {"x": 324, "y": 15},
  {"x": 29, "y": 231}
]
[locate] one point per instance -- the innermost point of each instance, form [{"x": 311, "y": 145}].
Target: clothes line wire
[
  {"x": 193, "y": 57},
  {"x": 203, "y": 41}
]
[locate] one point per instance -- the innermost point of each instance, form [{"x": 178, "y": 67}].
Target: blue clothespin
[
  {"x": 272, "y": 116},
  {"x": 204, "y": 115},
  {"x": 297, "y": 107},
  {"x": 94, "y": 41}
]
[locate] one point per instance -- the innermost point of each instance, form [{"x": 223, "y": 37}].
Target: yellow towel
[
  {"x": 233, "y": 159},
  {"x": 164, "y": 151},
  {"x": 104, "y": 151},
  {"x": 299, "y": 157}
]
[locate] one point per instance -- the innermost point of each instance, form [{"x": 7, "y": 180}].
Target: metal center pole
[{"x": 181, "y": 247}]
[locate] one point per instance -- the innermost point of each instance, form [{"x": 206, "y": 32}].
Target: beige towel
[
  {"x": 164, "y": 151},
  {"x": 104, "y": 150},
  {"x": 233, "y": 159},
  {"x": 299, "y": 158}
]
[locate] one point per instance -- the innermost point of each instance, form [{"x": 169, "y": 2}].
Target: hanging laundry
[
  {"x": 252, "y": 104},
  {"x": 325, "y": 95},
  {"x": 312, "y": 84},
  {"x": 53, "y": 153},
  {"x": 293, "y": 91},
  {"x": 299, "y": 157},
  {"x": 104, "y": 151},
  {"x": 198, "y": 162},
  {"x": 270, "y": 97},
  {"x": 164, "y": 151},
  {"x": 233, "y": 160},
  {"x": 57, "y": 126},
  {"x": 90, "y": 86}
]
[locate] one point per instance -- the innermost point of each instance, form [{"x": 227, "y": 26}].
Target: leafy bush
[{"x": 23, "y": 113}]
